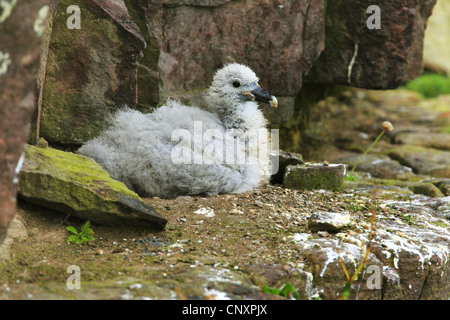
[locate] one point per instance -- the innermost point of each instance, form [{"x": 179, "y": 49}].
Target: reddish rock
[
  {"x": 20, "y": 40},
  {"x": 279, "y": 41}
]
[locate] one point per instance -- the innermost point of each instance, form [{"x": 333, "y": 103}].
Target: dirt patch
[{"x": 227, "y": 231}]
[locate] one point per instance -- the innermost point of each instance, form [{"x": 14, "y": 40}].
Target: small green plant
[
  {"x": 287, "y": 291},
  {"x": 430, "y": 85},
  {"x": 85, "y": 235},
  {"x": 408, "y": 219},
  {"x": 350, "y": 177}
]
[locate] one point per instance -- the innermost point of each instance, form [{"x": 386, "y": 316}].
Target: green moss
[
  {"x": 427, "y": 189},
  {"x": 77, "y": 185},
  {"x": 430, "y": 85},
  {"x": 313, "y": 177},
  {"x": 409, "y": 219},
  {"x": 440, "y": 223},
  {"x": 70, "y": 167},
  {"x": 56, "y": 118}
]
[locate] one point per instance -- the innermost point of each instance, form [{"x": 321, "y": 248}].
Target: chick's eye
[{"x": 236, "y": 84}]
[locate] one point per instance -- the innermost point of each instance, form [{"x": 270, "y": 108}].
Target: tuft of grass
[
  {"x": 85, "y": 235},
  {"x": 430, "y": 85},
  {"x": 287, "y": 291}
]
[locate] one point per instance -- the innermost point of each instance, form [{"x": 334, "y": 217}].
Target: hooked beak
[{"x": 260, "y": 95}]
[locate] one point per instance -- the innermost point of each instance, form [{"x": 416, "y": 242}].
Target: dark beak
[{"x": 260, "y": 95}]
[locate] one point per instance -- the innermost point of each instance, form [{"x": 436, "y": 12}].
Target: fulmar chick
[{"x": 183, "y": 150}]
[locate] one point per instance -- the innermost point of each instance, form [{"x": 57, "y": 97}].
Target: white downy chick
[{"x": 184, "y": 150}]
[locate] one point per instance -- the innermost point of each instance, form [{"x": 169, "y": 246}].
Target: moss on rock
[
  {"x": 76, "y": 185},
  {"x": 315, "y": 176},
  {"x": 427, "y": 189}
]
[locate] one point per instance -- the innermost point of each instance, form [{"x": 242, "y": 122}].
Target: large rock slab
[
  {"x": 90, "y": 72},
  {"x": 422, "y": 160},
  {"x": 372, "y": 58},
  {"x": 77, "y": 185},
  {"x": 168, "y": 47},
  {"x": 279, "y": 41}
]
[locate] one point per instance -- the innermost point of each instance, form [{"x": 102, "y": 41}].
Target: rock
[
  {"x": 207, "y": 212},
  {"x": 419, "y": 250},
  {"x": 285, "y": 159},
  {"x": 444, "y": 186},
  {"x": 90, "y": 71},
  {"x": 378, "y": 166},
  {"x": 409, "y": 258},
  {"x": 328, "y": 275},
  {"x": 381, "y": 187},
  {"x": 422, "y": 160},
  {"x": 277, "y": 275},
  {"x": 16, "y": 232},
  {"x": 328, "y": 221},
  {"x": 76, "y": 185},
  {"x": 424, "y": 139},
  {"x": 146, "y": 14},
  {"x": 311, "y": 176},
  {"x": 265, "y": 274},
  {"x": 427, "y": 189},
  {"x": 279, "y": 42},
  {"x": 20, "y": 38},
  {"x": 42, "y": 143},
  {"x": 372, "y": 58}
]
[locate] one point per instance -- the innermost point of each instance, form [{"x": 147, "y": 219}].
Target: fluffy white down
[{"x": 138, "y": 149}]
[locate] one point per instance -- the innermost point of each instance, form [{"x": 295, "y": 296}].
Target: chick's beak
[{"x": 260, "y": 95}]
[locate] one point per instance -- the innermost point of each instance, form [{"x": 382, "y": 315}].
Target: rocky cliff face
[{"x": 141, "y": 52}]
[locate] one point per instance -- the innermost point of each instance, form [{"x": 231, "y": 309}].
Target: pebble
[
  {"x": 236, "y": 211},
  {"x": 323, "y": 234},
  {"x": 259, "y": 203},
  {"x": 328, "y": 221},
  {"x": 207, "y": 212}
]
